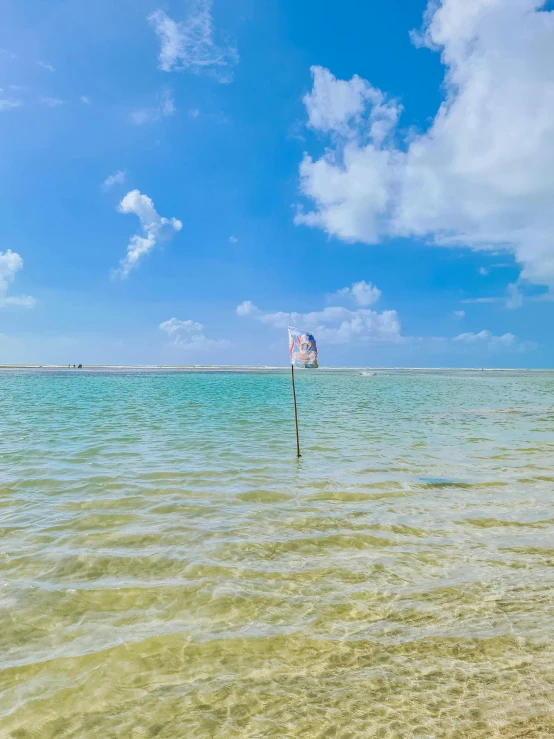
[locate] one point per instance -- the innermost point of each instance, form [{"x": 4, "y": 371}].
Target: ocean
[{"x": 169, "y": 569}]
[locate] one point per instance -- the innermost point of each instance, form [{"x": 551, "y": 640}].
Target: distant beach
[{"x": 255, "y": 368}]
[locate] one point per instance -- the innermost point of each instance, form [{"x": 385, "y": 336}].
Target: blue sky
[{"x": 181, "y": 179}]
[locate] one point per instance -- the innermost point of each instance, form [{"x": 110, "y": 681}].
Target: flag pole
[{"x": 295, "y": 412}]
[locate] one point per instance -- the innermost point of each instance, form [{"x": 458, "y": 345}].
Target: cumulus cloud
[
  {"x": 10, "y": 263},
  {"x": 481, "y": 175},
  {"x": 233, "y": 239},
  {"x": 353, "y": 182},
  {"x": 190, "y": 44},
  {"x": 190, "y": 335},
  {"x": 85, "y": 99},
  {"x": 459, "y": 314},
  {"x": 334, "y": 324},
  {"x": 117, "y": 178},
  {"x": 153, "y": 228},
  {"x": 338, "y": 107},
  {"x": 362, "y": 293},
  {"x": 164, "y": 108},
  {"x": 247, "y": 308}
]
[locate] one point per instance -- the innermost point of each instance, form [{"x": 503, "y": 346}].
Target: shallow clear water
[{"x": 169, "y": 569}]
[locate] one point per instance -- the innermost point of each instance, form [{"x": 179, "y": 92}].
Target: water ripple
[{"x": 169, "y": 569}]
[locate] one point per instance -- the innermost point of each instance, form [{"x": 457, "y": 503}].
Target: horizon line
[{"x": 226, "y": 367}]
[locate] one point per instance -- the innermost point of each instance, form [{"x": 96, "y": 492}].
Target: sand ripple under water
[{"x": 168, "y": 569}]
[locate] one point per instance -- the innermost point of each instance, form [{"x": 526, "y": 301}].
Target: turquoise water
[{"x": 169, "y": 569}]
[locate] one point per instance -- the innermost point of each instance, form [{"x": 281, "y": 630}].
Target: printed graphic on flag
[{"x": 303, "y": 349}]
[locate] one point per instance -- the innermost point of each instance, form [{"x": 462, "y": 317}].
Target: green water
[{"x": 168, "y": 568}]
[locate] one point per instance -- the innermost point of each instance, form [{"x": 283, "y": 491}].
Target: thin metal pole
[{"x": 295, "y": 413}]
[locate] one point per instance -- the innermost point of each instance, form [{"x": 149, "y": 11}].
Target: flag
[{"x": 303, "y": 349}]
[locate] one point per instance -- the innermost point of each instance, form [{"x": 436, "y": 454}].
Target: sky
[{"x": 182, "y": 179}]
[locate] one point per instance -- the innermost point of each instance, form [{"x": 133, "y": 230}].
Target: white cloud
[
  {"x": 194, "y": 112},
  {"x": 233, "y": 239},
  {"x": 337, "y": 107},
  {"x": 85, "y": 99},
  {"x": 488, "y": 338},
  {"x": 174, "y": 326},
  {"x": 51, "y": 102},
  {"x": 483, "y": 271},
  {"x": 352, "y": 183},
  {"x": 334, "y": 324},
  {"x": 46, "y": 66},
  {"x": 190, "y": 335},
  {"x": 9, "y": 104},
  {"x": 118, "y": 178},
  {"x": 481, "y": 175},
  {"x": 154, "y": 227},
  {"x": 190, "y": 45},
  {"x": 164, "y": 109},
  {"x": 247, "y": 308},
  {"x": 362, "y": 293},
  {"x": 10, "y": 263},
  {"x": 339, "y": 325}
]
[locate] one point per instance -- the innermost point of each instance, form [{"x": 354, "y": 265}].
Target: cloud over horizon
[
  {"x": 336, "y": 324},
  {"x": 190, "y": 335},
  {"x": 491, "y": 342}
]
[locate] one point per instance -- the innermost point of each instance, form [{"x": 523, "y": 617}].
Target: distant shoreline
[{"x": 245, "y": 368}]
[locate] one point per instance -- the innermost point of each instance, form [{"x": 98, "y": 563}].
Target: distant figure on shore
[{"x": 80, "y": 366}]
